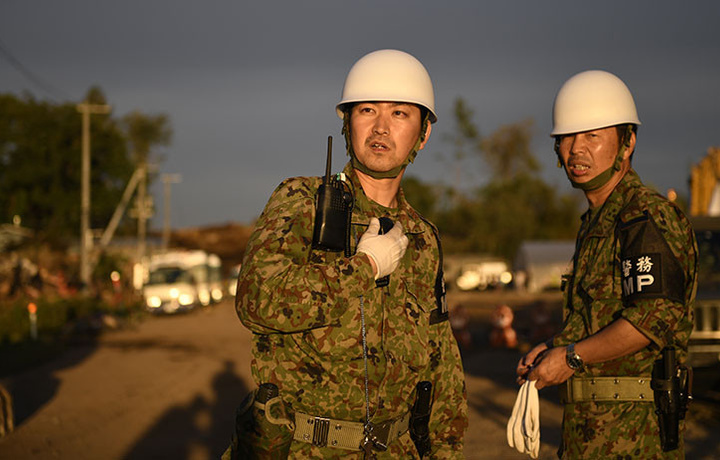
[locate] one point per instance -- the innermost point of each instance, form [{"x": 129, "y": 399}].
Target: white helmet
[
  {"x": 388, "y": 75},
  {"x": 590, "y": 100}
]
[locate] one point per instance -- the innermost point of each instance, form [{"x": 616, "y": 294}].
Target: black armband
[{"x": 649, "y": 267}]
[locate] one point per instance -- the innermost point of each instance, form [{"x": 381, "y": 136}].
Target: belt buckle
[
  {"x": 378, "y": 435},
  {"x": 321, "y": 428}
]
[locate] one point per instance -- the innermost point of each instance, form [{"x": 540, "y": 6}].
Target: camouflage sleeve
[
  {"x": 281, "y": 287},
  {"x": 655, "y": 318},
  {"x": 657, "y": 258},
  {"x": 449, "y": 419},
  {"x": 572, "y": 330}
]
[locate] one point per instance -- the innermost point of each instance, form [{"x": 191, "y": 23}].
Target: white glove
[
  {"x": 385, "y": 250},
  {"x": 523, "y": 429}
]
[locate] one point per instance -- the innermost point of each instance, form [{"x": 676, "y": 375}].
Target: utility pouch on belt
[
  {"x": 671, "y": 385},
  {"x": 263, "y": 429},
  {"x": 420, "y": 418}
]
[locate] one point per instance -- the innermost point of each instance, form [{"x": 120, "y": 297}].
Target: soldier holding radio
[{"x": 353, "y": 353}]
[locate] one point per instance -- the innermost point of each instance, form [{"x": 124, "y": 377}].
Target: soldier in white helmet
[
  {"x": 353, "y": 353},
  {"x": 628, "y": 301}
]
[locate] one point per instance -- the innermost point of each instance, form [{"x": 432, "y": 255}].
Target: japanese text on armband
[{"x": 642, "y": 275}]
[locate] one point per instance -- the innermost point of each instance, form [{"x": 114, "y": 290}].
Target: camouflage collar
[
  {"x": 608, "y": 212},
  {"x": 365, "y": 208}
]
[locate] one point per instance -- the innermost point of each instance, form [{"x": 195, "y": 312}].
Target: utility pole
[
  {"x": 168, "y": 180},
  {"x": 120, "y": 209},
  {"x": 115, "y": 220},
  {"x": 142, "y": 212},
  {"x": 143, "y": 209},
  {"x": 85, "y": 237}
]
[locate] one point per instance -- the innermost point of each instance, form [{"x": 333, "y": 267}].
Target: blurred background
[{"x": 140, "y": 140}]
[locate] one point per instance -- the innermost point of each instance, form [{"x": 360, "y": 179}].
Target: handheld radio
[{"x": 333, "y": 212}]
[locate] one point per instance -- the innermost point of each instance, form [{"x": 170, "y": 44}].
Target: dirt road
[{"x": 168, "y": 389}]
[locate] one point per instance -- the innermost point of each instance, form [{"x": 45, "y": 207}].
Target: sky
[{"x": 250, "y": 86}]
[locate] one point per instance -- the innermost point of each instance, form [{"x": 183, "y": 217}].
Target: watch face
[{"x": 574, "y": 361}]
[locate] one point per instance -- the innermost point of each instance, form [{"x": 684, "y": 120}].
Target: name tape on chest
[{"x": 642, "y": 275}]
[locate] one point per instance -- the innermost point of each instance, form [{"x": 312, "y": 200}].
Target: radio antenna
[{"x": 328, "y": 166}]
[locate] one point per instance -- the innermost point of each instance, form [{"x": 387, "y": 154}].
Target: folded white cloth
[{"x": 523, "y": 429}]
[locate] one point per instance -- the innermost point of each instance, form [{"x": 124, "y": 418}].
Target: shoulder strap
[{"x": 440, "y": 313}]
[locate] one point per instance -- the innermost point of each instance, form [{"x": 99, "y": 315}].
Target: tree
[
  {"x": 507, "y": 151},
  {"x": 40, "y": 154},
  {"x": 144, "y": 132},
  {"x": 514, "y": 204},
  {"x": 423, "y": 196},
  {"x": 523, "y": 208},
  {"x": 465, "y": 140}
]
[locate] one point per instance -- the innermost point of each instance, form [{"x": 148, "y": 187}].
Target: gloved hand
[
  {"x": 384, "y": 250},
  {"x": 523, "y": 428}
]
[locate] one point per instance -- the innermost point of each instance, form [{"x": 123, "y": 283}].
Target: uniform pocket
[
  {"x": 340, "y": 341},
  {"x": 408, "y": 328},
  {"x": 601, "y": 300}
]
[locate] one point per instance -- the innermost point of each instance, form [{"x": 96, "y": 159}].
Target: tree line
[
  {"x": 40, "y": 145},
  {"x": 40, "y": 163},
  {"x": 514, "y": 204}
]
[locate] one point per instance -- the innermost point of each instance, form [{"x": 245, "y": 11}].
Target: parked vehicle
[
  {"x": 476, "y": 272},
  {"x": 182, "y": 280},
  {"x": 539, "y": 265},
  {"x": 704, "y": 347}
]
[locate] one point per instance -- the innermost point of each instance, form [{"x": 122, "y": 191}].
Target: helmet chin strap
[
  {"x": 605, "y": 176},
  {"x": 381, "y": 174}
]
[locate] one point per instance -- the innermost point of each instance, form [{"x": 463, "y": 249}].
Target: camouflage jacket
[
  {"x": 636, "y": 259},
  {"x": 305, "y": 308}
]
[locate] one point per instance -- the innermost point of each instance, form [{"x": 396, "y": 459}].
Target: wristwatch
[{"x": 573, "y": 360}]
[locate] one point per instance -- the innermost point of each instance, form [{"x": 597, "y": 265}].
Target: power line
[{"x": 52, "y": 91}]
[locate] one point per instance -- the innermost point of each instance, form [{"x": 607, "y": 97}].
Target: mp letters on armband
[{"x": 642, "y": 276}]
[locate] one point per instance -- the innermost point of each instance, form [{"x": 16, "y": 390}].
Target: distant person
[
  {"x": 346, "y": 335},
  {"x": 628, "y": 302},
  {"x": 502, "y": 334}
]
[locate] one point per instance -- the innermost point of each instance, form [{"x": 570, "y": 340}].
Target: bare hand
[
  {"x": 527, "y": 362},
  {"x": 550, "y": 368}
]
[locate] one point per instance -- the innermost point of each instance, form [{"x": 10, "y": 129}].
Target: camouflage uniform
[
  {"x": 634, "y": 223},
  {"x": 305, "y": 309}
]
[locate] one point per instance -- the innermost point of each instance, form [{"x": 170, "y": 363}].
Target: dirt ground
[{"x": 168, "y": 388}]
